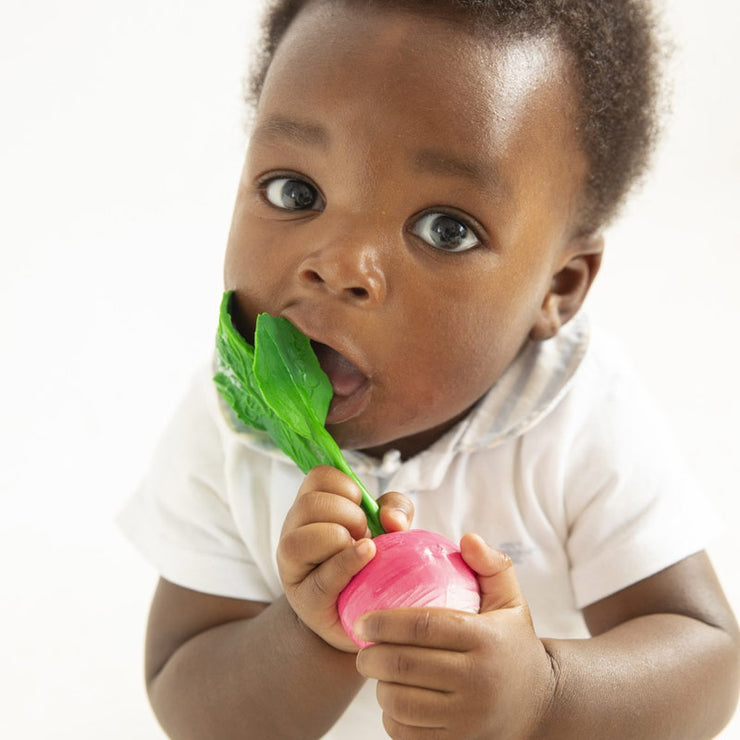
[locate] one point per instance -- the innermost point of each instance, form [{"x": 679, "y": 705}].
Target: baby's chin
[
  {"x": 359, "y": 435},
  {"x": 363, "y": 436}
]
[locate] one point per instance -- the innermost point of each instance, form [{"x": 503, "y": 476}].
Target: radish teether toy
[{"x": 414, "y": 568}]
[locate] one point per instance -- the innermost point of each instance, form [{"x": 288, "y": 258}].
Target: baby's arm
[
  {"x": 663, "y": 662},
  {"x": 227, "y": 668}
]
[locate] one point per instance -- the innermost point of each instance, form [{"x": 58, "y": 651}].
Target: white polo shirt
[{"x": 565, "y": 464}]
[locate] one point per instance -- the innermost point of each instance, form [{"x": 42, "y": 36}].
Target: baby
[{"x": 424, "y": 193}]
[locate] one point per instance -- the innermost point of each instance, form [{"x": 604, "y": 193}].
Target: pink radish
[{"x": 414, "y": 568}]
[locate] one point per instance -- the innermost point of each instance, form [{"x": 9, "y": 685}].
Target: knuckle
[
  {"x": 338, "y": 536},
  {"x": 298, "y": 515},
  {"x": 320, "y": 587},
  {"x": 347, "y": 564},
  {"x": 468, "y": 673},
  {"x": 421, "y": 625},
  {"x": 402, "y": 664},
  {"x": 287, "y": 547},
  {"x": 310, "y": 506}
]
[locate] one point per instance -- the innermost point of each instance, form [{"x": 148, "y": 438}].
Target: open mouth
[{"x": 350, "y": 385}]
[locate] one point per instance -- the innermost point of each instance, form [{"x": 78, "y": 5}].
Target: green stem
[
  {"x": 370, "y": 507},
  {"x": 368, "y": 504}
]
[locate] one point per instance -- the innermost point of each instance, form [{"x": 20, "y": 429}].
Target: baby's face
[{"x": 407, "y": 197}]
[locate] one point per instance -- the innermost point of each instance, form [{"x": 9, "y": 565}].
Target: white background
[{"x": 121, "y": 138}]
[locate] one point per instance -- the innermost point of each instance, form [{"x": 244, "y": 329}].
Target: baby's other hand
[
  {"x": 457, "y": 675},
  {"x": 324, "y": 542}
]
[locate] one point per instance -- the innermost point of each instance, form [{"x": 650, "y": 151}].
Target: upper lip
[{"x": 317, "y": 331}]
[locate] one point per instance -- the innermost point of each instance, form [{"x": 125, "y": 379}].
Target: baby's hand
[
  {"x": 468, "y": 676},
  {"x": 324, "y": 542}
]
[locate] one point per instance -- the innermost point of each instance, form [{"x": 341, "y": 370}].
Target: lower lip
[{"x": 344, "y": 408}]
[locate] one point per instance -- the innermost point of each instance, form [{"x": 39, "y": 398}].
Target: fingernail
[
  {"x": 400, "y": 516},
  {"x": 360, "y": 629},
  {"x": 364, "y": 548}
]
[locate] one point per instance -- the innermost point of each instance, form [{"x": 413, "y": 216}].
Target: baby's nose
[{"x": 352, "y": 272}]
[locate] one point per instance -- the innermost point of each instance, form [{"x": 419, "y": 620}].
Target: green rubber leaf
[
  {"x": 278, "y": 387},
  {"x": 289, "y": 375},
  {"x": 234, "y": 377}
]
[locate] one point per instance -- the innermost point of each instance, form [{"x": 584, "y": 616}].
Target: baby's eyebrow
[
  {"x": 441, "y": 163},
  {"x": 301, "y": 132},
  {"x": 484, "y": 175}
]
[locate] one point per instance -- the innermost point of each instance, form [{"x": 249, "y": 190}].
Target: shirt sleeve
[
  {"x": 633, "y": 509},
  {"x": 180, "y": 517}
]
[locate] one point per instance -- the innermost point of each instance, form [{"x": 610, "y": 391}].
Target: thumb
[
  {"x": 499, "y": 586},
  {"x": 396, "y": 511}
]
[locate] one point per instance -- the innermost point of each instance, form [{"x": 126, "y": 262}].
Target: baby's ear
[{"x": 577, "y": 269}]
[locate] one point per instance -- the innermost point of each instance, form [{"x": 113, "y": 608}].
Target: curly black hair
[{"x": 616, "y": 57}]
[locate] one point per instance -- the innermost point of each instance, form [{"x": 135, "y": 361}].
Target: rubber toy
[{"x": 416, "y": 568}]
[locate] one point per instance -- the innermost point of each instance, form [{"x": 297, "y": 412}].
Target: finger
[
  {"x": 410, "y": 706},
  {"x": 496, "y": 575},
  {"x": 327, "y": 581},
  {"x": 429, "y": 627},
  {"x": 400, "y": 731},
  {"x": 396, "y": 511},
  {"x": 303, "y": 549},
  {"x": 329, "y": 479},
  {"x": 319, "y": 506},
  {"x": 437, "y": 670}
]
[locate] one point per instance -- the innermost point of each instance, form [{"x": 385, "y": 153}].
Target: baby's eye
[
  {"x": 445, "y": 232},
  {"x": 291, "y": 194}
]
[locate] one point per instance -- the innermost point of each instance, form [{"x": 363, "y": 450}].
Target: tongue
[{"x": 344, "y": 376}]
